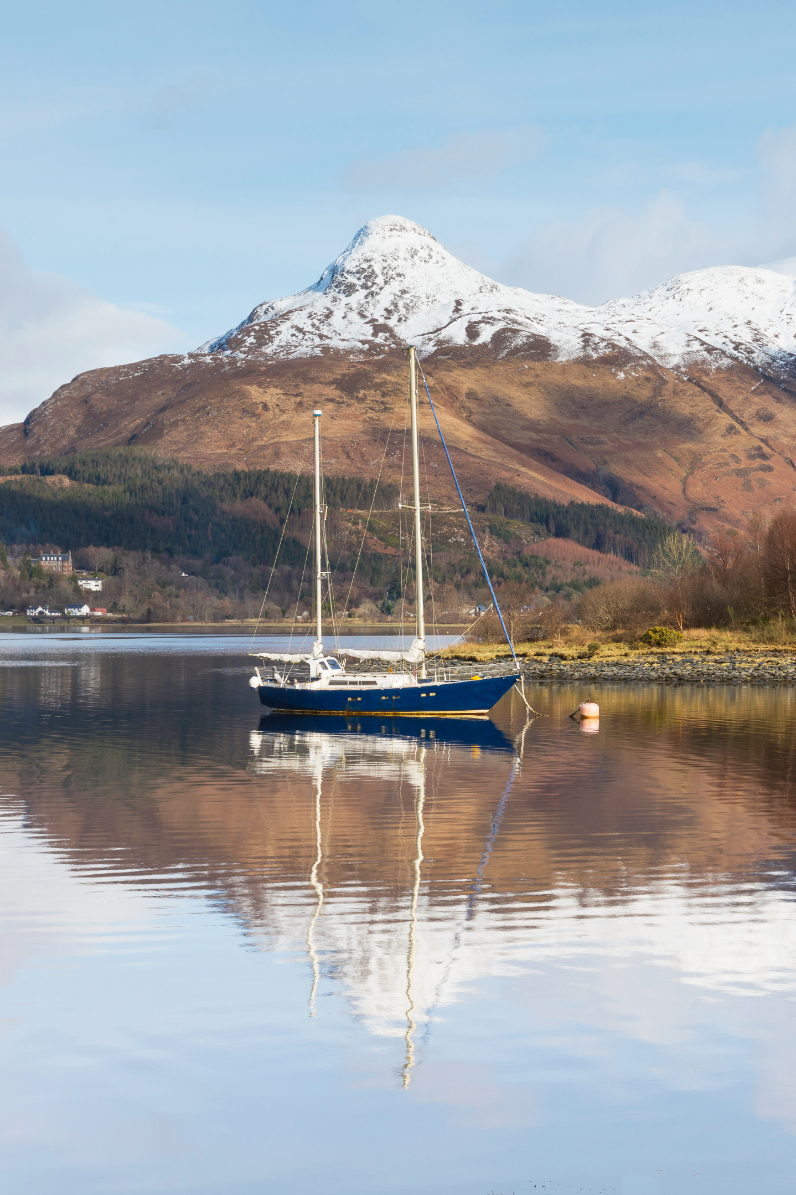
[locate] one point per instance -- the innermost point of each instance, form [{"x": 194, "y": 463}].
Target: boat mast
[
  {"x": 316, "y": 415},
  {"x": 421, "y": 622}
]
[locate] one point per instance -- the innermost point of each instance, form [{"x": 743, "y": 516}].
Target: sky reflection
[{"x": 247, "y": 954}]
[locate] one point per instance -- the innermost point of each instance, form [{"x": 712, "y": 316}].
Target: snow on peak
[
  {"x": 747, "y": 312},
  {"x": 399, "y": 266},
  {"x": 385, "y": 227},
  {"x": 395, "y": 283}
]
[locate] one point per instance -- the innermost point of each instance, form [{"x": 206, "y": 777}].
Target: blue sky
[{"x": 166, "y": 166}]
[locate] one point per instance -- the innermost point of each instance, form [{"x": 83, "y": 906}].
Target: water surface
[{"x": 253, "y": 955}]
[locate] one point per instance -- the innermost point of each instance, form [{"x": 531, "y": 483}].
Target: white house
[
  {"x": 77, "y": 611},
  {"x": 92, "y": 583}
]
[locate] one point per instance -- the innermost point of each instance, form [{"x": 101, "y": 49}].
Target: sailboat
[{"x": 323, "y": 686}]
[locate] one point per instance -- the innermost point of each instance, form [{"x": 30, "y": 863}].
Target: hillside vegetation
[
  {"x": 157, "y": 519},
  {"x": 615, "y": 532}
]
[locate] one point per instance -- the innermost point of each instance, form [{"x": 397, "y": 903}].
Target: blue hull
[
  {"x": 429, "y": 697},
  {"x": 460, "y": 732}
]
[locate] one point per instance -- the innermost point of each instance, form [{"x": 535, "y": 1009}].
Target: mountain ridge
[
  {"x": 363, "y": 299},
  {"x": 681, "y": 400}
]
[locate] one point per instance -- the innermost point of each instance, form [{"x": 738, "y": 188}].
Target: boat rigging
[{"x": 319, "y": 683}]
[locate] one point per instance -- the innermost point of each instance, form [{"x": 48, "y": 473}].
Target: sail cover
[
  {"x": 412, "y": 655},
  {"x": 282, "y": 657}
]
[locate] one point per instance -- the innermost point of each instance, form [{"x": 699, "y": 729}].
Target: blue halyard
[{"x": 467, "y": 515}]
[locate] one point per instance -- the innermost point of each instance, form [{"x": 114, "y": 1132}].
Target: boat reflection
[
  {"x": 480, "y": 733},
  {"x": 400, "y": 753}
]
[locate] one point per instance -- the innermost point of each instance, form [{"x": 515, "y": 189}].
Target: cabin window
[{"x": 333, "y": 666}]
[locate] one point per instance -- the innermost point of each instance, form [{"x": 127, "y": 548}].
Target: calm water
[{"x": 289, "y": 956}]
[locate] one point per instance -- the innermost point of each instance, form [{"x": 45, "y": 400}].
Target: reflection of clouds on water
[
  {"x": 428, "y": 882},
  {"x": 39, "y": 663},
  {"x": 657, "y": 963},
  {"x": 48, "y": 910}
]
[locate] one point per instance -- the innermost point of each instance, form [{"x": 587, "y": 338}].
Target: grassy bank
[
  {"x": 580, "y": 645},
  {"x": 701, "y": 657}
]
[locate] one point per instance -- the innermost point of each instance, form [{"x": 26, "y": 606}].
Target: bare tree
[
  {"x": 726, "y": 550},
  {"x": 674, "y": 564},
  {"x": 514, "y": 605},
  {"x": 630, "y": 604},
  {"x": 779, "y": 561},
  {"x": 756, "y": 531}
]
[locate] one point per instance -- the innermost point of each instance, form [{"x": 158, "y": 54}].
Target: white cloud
[
  {"x": 52, "y": 329},
  {"x": 777, "y": 155},
  {"x": 464, "y": 157},
  {"x": 610, "y": 253}
]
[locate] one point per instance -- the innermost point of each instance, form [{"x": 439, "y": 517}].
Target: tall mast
[
  {"x": 421, "y": 622},
  {"x": 318, "y": 512}
]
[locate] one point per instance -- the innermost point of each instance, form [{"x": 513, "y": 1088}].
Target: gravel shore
[{"x": 732, "y": 668}]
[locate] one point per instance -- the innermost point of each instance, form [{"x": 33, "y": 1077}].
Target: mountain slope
[{"x": 680, "y": 400}]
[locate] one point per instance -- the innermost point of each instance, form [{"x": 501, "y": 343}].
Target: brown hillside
[{"x": 705, "y": 449}]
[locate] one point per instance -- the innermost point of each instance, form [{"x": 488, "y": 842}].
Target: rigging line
[
  {"x": 278, "y": 548},
  {"x": 298, "y": 599},
  {"x": 361, "y": 491},
  {"x": 494, "y": 828},
  {"x": 329, "y": 585},
  {"x": 440, "y": 650},
  {"x": 324, "y": 552},
  {"x": 467, "y": 516},
  {"x": 497, "y": 819},
  {"x": 429, "y": 541},
  {"x": 402, "y": 575},
  {"x": 370, "y": 513}
]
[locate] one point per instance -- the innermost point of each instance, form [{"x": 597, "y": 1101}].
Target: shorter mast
[
  {"x": 316, "y": 415},
  {"x": 421, "y": 622}
]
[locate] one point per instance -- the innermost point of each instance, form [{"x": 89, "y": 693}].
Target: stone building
[{"x": 56, "y": 562}]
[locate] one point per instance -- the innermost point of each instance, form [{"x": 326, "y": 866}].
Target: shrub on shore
[{"x": 661, "y": 637}]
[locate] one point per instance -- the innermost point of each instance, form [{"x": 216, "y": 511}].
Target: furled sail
[
  {"x": 412, "y": 655},
  {"x": 282, "y": 657},
  {"x": 292, "y": 657}
]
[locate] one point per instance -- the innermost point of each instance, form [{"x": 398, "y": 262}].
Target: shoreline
[
  {"x": 279, "y": 628},
  {"x": 731, "y": 668},
  {"x": 687, "y": 663},
  {"x": 731, "y": 665}
]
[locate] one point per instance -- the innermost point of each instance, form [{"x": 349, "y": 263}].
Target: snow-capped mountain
[
  {"x": 395, "y": 283},
  {"x": 678, "y": 400}
]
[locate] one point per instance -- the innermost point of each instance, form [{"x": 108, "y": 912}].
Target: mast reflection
[
  {"x": 314, "y": 746},
  {"x": 411, "y": 1023}
]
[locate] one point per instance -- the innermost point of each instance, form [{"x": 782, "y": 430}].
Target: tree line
[
  {"x": 134, "y": 499},
  {"x": 592, "y": 525},
  {"x": 743, "y": 578}
]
